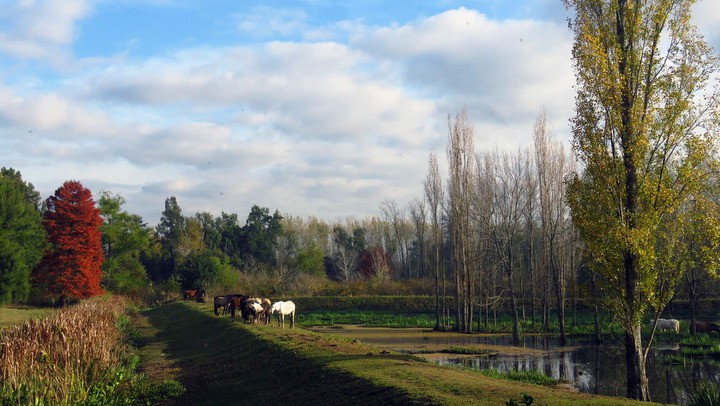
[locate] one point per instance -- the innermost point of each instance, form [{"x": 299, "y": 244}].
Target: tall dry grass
[{"x": 57, "y": 360}]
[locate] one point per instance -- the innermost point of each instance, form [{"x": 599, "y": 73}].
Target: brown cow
[{"x": 190, "y": 294}]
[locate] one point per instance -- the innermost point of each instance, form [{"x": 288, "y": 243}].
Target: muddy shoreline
[{"x": 426, "y": 343}]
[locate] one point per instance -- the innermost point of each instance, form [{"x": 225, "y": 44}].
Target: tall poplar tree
[
  {"x": 461, "y": 162},
  {"x": 434, "y": 195},
  {"x": 71, "y": 269},
  {"x": 645, "y": 130}
]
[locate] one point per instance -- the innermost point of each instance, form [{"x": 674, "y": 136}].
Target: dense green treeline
[{"x": 45, "y": 258}]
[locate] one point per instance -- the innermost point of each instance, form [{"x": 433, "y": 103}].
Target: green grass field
[{"x": 13, "y": 315}]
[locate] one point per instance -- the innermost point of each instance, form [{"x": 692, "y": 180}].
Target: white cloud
[
  {"x": 706, "y": 14},
  {"x": 42, "y": 29},
  {"x": 503, "y": 72},
  {"x": 267, "y": 22},
  {"x": 327, "y": 128}
]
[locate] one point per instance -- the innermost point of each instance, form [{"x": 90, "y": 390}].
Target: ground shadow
[{"x": 220, "y": 361}]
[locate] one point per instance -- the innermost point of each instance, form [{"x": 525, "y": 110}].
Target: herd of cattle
[
  {"x": 674, "y": 324},
  {"x": 252, "y": 309}
]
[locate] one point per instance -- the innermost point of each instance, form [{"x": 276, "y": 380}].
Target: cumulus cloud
[
  {"x": 503, "y": 72},
  {"x": 40, "y": 29},
  {"x": 325, "y": 120},
  {"x": 321, "y": 128}
]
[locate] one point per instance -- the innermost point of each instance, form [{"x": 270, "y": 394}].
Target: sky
[{"x": 310, "y": 107}]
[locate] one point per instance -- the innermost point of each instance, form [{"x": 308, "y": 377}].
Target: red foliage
[
  {"x": 71, "y": 269},
  {"x": 375, "y": 262}
]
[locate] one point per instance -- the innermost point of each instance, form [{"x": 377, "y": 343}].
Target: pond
[{"x": 598, "y": 369}]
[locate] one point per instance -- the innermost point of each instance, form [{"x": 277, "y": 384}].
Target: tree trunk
[
  {"x": 561, "y": 314},
  {"x": 533, "y": 296},
  {"x": 545, "y": 310},
  {"x": 693, "y": 304},
  {"x": 692, "y": 283},
  {"x": 514, "y": 308},
  {"x": 598, "y": 333},
  {"x": 637, "y": 380},
  {"x": 458, "y": 304},
  {"x": 437, "y": 292}
]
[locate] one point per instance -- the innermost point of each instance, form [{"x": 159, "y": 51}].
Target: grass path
[{"x": 221, "y": 361}]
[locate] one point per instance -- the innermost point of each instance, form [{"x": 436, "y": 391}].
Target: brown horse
[
  {"x": 190, "y": 294},
  {"x": 236, "y": 302},
  {"x": 221, "y": 302},
  {"x": 266, "y": 312},
  {"x": 705, "y": 327}
]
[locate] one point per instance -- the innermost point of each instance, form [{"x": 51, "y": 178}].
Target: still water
[{"x": 598, "y": 369}]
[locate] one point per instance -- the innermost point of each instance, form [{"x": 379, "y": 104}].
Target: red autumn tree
[
  {"x": 71, "y": 268},
  {"x": 375, "y": 263}
]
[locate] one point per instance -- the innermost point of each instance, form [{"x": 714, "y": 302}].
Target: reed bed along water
[{"x": 59, "y": 359}]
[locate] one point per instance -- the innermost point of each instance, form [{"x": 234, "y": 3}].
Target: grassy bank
[{"x": 219, "y": 361}]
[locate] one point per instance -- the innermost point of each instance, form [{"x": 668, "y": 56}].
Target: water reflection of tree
[
  {"x": 676, "y": 381},
  {"x": 595, "y": 370}
]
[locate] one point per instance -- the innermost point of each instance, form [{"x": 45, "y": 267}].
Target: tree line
[{"x": 71, "y": 246}]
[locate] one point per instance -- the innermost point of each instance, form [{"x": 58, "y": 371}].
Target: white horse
[
  {"x": 668, "y": 324},
  {"x": 284, "y": 308}
]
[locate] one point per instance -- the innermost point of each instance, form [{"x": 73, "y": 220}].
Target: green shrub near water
[
  {"x": 416, "y": 311},
  {"x": 365, "y": 318},
  {"x": 534, "y": 377},
  {"x": 399, "y": 304},
  {"x": 705, "y": 394}
]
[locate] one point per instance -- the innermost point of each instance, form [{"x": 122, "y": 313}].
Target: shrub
[
  {"x": 705, "y": 394},
  {"x": 398, "y": 304}
]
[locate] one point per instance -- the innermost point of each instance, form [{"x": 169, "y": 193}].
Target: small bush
[
  {"x": 466, "y": 351},
  {"x": 705, "y": 394},
  {"x": 157, "y": 393},
  {"x": 527, "y": 400}
]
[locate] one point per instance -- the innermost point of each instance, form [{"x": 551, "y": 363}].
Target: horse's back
[
  {"x": 288, "y": 307},
  {"x": 669, "y": 324}
]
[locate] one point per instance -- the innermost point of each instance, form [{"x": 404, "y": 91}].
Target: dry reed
[{"x": 56, "y": 360}]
